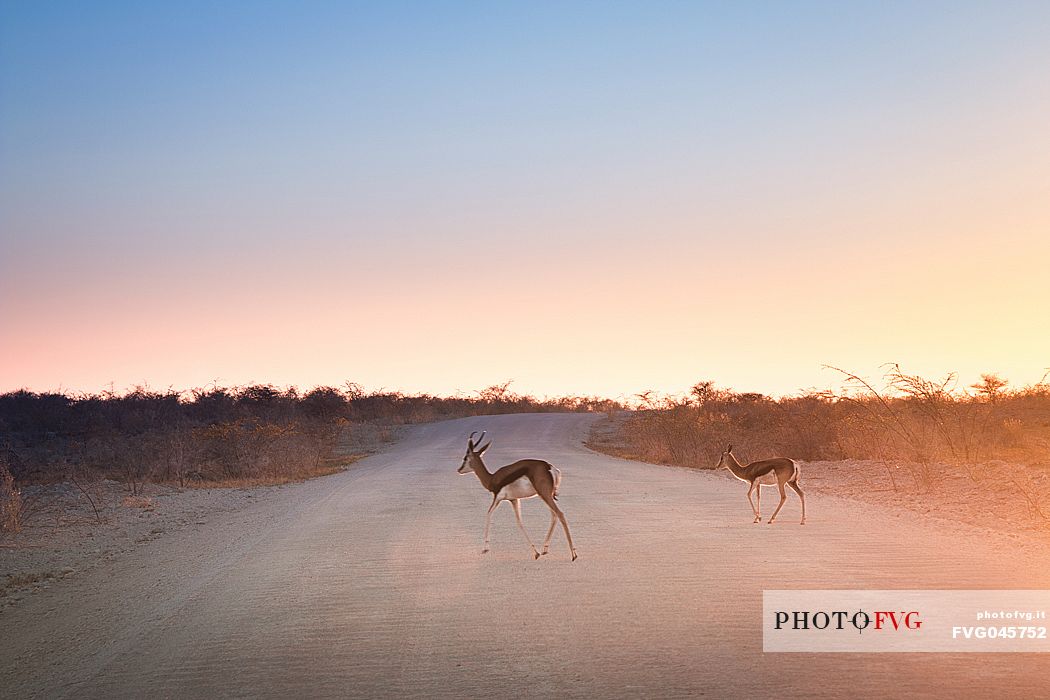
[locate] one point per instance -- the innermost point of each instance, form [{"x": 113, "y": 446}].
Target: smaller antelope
[
  {"x": 525, "y": 478},
  {"x": 779, "y": 471}
]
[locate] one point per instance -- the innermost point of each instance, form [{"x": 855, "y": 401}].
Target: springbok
[
  {"x": 779, "y": 471},
  {"x": 522, "y": 479}
]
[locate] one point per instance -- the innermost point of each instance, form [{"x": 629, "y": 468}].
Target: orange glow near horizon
[{"x": 608, "y": 322}]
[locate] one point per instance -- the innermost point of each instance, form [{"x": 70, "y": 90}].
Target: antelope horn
[{"x": 470, "y": 440}]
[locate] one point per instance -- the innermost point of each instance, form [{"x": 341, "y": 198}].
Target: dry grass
[
  {"x": 919, "y": 442},
  {"x": 28, "y": 579},
  {"x": 144, "y": 502},
  {"x": 285, "y": 477},
  {"x": 216, "y": 436},
  {"x": 10, "y": 501},
  {"x": 13, "y": 583}
]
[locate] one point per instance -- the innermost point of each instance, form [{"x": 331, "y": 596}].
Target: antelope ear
[{"x": 486, "y": 446}]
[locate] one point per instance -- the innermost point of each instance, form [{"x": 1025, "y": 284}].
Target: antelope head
[
  {"x": 472, "y": 459},
  {"x": 723, "y": 461}
]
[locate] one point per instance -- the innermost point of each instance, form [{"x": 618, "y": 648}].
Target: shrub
[
  {"x": 215, "y": 434},
  {"x": 917, "y": 422},
  {"x": 10, "y": 501}
]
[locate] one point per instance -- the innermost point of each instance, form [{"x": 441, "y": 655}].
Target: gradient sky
[{"x": 582, "y": 197}]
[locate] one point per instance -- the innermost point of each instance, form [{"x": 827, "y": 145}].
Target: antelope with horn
[
  {"x": 523, "y": 479},
  {"x": 779, "y": 471}
]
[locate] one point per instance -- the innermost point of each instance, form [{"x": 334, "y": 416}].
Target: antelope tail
[{"x": 556, "y": 473}]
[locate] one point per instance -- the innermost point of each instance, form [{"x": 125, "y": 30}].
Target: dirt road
[{"x": 370, "y": 583}]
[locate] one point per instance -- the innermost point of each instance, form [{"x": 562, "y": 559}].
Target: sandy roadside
[
  {"x": 71, "y": 528},
  {"x": 66, "y": 536}
]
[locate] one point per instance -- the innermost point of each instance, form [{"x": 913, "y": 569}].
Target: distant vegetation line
[
  {"x": 918, "y": 428},
  {"x": 215, "y": 435},
  {"x": 263, "y": 434}
]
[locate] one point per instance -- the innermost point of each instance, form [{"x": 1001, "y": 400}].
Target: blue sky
[{"x": 311, "y": 192}]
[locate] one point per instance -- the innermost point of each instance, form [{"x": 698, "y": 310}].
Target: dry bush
[
  {"x": 90, "y": 487},
  {"x": 692, "y": 430},
  {"x": 929, "y": 425},
  {"x": 1009, "y": 433},
  {"x": 274, "y": 452},
  {"x": 923, "y": 426},
  {"x": 215, "y": 435},
  {"x": 10, "y": 501}
]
